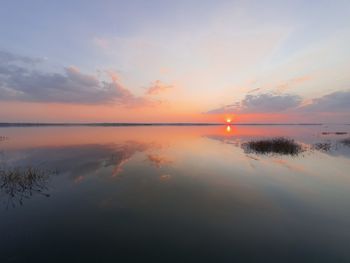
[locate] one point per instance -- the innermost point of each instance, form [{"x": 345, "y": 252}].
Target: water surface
[{"x": 173, "y": 194}]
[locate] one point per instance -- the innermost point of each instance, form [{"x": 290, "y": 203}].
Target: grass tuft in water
[
  {"x": 334, "y": 133},
  {"x": 281, "y": 146},
  {"x": 20, "y": 184},
  {"x": 346, "y": 142},
  {"x": 322, "y": 146}
]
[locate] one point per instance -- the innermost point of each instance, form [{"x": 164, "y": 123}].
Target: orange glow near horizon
[{"x": 54, "y": 112}]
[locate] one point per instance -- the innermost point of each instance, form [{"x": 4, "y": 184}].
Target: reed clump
[
  {"x": 334, "y": 133},
  {"x": 322, "y": 146},
  {"x": 281, "y": 146},
  {"x": 346, "y": 142},
  {"x": 19, "y": 184}
]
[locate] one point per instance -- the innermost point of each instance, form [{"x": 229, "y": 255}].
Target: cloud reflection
[
  {"x": 290, "y": 146},
  {"x": 158, "y": 160},
  {"x": 81, "y": 160}
]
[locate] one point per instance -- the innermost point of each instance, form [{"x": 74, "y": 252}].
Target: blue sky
[{"x": 204, "y": 55}]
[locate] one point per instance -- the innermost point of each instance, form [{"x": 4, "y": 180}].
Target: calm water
[{"x": 173, "y": 194}]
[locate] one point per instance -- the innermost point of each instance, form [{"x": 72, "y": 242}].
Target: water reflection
[
  {"x": 158, "y": 160},
  {"x": 79, "y": 161},
  {"x": 18, "y": 184},
  {"x": 167, "y": 194},
  {"x": 322, "y": 146},
  {"x": 293, "y": 145},
  {"x": 346, "y": 142}
]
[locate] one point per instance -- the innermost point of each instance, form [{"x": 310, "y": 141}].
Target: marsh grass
[
  {"x": 335, "y": 133},
  {"x": 280, "y": 146},
  {"x": 20, "y": 184},
  {"x": 322, "y": 146},
  {"x": 346, "y": 142}
]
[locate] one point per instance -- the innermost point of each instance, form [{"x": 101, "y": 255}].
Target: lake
[{"x": 174, "y": 194}]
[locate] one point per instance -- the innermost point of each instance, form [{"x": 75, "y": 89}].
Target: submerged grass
[
  {"x": 281, "y": 146},
  {"x": 19, "y": 184},
  {"x": 335, "y": 133},
  {"x": 322, "y": 146},
  {"x": 346, "y": 142}
]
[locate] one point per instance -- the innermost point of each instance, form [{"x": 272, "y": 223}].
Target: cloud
[
  {"x": 269, "y": 102},
  {"x": 225, "y": 109},
  {"x": 338, "y": 101},
  {"x": 21, "y": 81},
  {"x": 254, "y": 90},
  {"x": 7, "y": 57},
  {"x": 282, "y": 87},
  {"x": 125, "y": 97},
  {"x": 157, "y": 87},
  {"x": 261, "y": 103}
]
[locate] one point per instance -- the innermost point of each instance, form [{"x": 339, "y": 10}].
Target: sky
[{"x": 175, "y": 61}]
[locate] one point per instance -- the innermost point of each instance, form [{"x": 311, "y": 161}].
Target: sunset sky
[{"x": 174, "y": 61}]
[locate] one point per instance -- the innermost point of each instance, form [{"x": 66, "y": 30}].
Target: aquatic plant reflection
[
  {"x": 346, "y": 142},
  {"x": 20, "y": 184},
  {"x": 322, "y": 146}
]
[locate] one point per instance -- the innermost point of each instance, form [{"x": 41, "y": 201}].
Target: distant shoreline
[{"x": 27, "y": 124}]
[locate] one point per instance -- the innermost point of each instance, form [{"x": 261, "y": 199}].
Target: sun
[{"x": 228, "y": 120}]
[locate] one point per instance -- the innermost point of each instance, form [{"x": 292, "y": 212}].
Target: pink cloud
[
  {"x": 284, "y": 86},
  {"x": 158, "y": 87}
]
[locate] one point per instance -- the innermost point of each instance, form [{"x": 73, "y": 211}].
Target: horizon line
[{"x": 121, "y": 124}]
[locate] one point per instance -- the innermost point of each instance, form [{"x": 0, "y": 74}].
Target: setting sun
[{"x": 228, "y": 120}]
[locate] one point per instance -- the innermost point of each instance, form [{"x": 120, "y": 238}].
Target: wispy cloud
[
  {"x": 254, "y": 90},
  {"x": 289, "y": 84},
  {"x": 158, "y": 87},
  {"x": 11, "y": 59}
]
